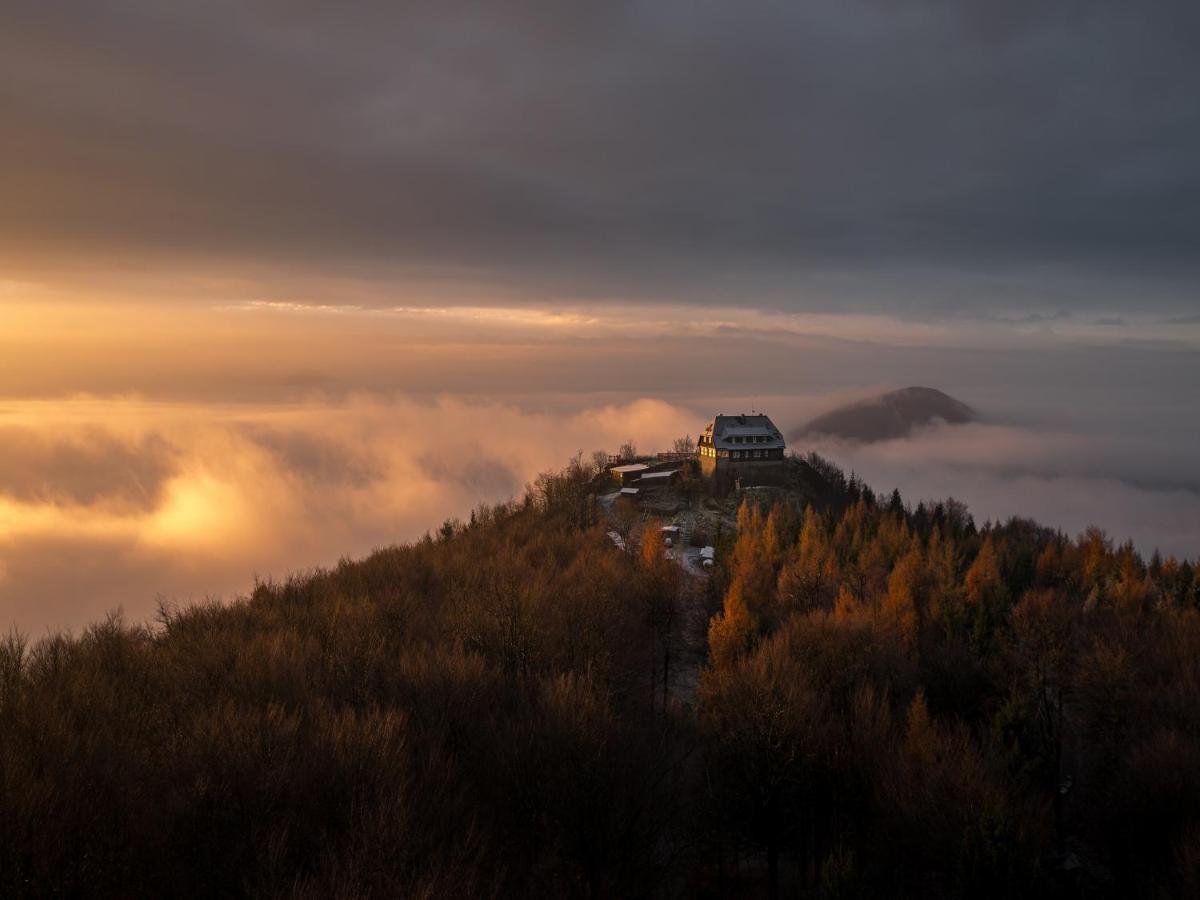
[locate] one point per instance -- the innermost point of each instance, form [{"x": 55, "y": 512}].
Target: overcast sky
[{"x": 918, "y": 156}]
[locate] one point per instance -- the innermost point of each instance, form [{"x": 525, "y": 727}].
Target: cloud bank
[
  {"x": 1134, "y": 487},
  {"x": 112, "y": 502},
  {"x": 108, "y": 502},
  {"x": 149, "y": 449}
]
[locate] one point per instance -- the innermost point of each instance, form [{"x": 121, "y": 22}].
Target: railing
[{"x": 667, "y": 456}]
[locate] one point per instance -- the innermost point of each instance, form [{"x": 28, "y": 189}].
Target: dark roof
[
  {"x": 654, "y": 476},
  {"x": 723, "y": 429}
]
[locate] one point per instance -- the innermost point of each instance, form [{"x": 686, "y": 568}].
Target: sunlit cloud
[
  {"x": 698, "y": 321},
  {"x": 493, "y": 315},
  {"x": 184, "y": 449},
  {"x": 269, "y": 489}
]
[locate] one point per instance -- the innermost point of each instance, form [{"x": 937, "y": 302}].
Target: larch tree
[
  {"x": 807, "y": 581},
  {"x": 731, "y": 632},
  {"x": 986, "y": 594},
  {"x": 900, "y": 612}
]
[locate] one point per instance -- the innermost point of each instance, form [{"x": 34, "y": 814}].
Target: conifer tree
[{"x": 731, "y": 633}]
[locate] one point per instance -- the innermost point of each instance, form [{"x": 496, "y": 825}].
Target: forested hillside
[{"x": 892, "y": 702}]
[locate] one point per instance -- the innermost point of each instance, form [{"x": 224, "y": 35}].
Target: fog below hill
[{"x": 194, "y": 471}]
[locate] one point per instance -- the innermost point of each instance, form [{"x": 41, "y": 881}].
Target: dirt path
[{"x": 690, "y": 648}]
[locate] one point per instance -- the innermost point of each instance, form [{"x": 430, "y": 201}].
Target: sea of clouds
[
  {"x": 180, "y": 454},
  {"x": 113, "y": 503},
  {"x": 108, "y": 503}
]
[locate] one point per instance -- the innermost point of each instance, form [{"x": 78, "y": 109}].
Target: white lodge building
[{"x": 736, "y": 442}]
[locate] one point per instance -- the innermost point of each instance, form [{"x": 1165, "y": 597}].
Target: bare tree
[
  {"x": 625, "y": 517},
  {"x": 685, "y": 445}
]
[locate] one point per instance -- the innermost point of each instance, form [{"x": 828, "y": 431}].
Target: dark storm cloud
[{"x": 637, "y": 148}]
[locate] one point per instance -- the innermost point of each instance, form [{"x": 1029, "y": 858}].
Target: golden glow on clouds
[
  {"x": 55, "y": 345},
  {"x": 198, "y": 510},
  {"x": 640, "y": 320},
  {"x": 212, "y": 439},
  {"x": 266, "y": 489},
  {"x": 489, "y": 315}
]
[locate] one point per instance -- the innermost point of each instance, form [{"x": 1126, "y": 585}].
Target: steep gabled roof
[{"x": 723, "y": 429}]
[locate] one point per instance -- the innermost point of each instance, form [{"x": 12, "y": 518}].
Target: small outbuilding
[
  {"x": 658, "y": 479},
  {"x": 629, "y": 473}
]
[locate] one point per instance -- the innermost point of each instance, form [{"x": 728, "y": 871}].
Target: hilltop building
[{"x": 740, "y": 445}]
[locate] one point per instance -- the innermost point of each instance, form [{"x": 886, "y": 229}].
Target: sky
[{"x": 282, "y": 282}]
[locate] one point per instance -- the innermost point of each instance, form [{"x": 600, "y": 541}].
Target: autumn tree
[
  {"x": 986, "y": 594},
  {"x": 755, "y": 559},
  {"x": 900, "y": 609},
  {"x": 808, "y": 580},
  {"x": 731, "y": 633}
]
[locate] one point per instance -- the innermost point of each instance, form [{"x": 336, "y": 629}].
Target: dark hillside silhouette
[
  {"x": 891, "y": 415},
  {"x": 897, "y": 702}
]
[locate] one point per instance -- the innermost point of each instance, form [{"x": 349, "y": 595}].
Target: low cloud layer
[
  {"x": 181, "y": 452},
  {"x": 1136, "y": 487},
  {"x": 109, "y": 503},
  {"x": 113, "y": 502}
]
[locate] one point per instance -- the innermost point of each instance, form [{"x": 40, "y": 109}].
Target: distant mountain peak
[{"x": 887, "y": 416}]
